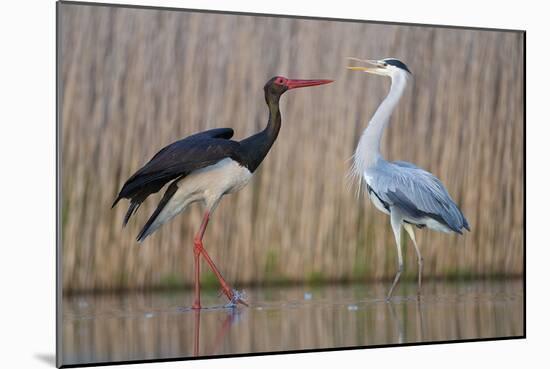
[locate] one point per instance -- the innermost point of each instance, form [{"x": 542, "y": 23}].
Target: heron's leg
[
  {"x": 419, "y": 257},
  {"x": 228, "y": 291},
  {"x": 396, "y": 226}
]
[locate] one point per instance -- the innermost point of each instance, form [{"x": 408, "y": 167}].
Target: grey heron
[{"x": 410, "y": 195}]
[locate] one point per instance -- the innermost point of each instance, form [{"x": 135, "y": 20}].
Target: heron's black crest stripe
[{"x": 398, "y": 64}]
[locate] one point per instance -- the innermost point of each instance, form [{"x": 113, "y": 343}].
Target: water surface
[{"x": 140, "y": 326}]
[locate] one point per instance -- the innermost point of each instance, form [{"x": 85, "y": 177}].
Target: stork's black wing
[{"x": 177, "y": 160}]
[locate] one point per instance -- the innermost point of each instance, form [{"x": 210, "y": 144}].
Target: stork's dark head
[{"x": 278, "y": 85}]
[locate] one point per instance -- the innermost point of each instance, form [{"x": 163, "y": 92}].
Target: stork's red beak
[{"x": 296, "y": 83}]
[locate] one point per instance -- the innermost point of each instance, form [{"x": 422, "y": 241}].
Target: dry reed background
[{"x": 134, "y": 80}]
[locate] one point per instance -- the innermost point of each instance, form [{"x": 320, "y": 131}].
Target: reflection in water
[
  {"x": 399, "y": 324},
  {"x": 141, "y": 326},
  {"x": 224, "y": 328},
  {"x": 419, "y": 325},
  {"x": 196, "y": 336}
]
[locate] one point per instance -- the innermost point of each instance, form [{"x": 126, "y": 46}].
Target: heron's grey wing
[
  {"x": 416, "y": 192},
  {"x": 404, "y": 164}
]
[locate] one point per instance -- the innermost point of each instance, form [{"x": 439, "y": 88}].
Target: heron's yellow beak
[
  {"x": 363, "y": 69},
  {"x": 374, "y": 66}
]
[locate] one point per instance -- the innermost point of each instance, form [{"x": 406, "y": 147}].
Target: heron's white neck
[{"x": 368, "y": 149}]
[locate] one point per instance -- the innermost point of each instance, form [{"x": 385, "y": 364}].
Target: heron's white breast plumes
[
  {"x": 354, "y": 178},
  {"x": 366, "y": 155}
]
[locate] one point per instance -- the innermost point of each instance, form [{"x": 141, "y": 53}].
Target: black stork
[{"x": 202, "y": 168}]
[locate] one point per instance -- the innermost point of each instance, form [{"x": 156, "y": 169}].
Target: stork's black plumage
[
  {"x": 203, "y": 167},
  {"x": 176, "y": 161}
]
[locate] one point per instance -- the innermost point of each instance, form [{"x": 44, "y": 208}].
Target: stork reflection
[{"x": 224, "y": 328}]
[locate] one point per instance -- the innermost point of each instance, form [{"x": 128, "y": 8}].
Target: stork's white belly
[
  {"x": 210, "y": 183},
  {"x": 206, "y": 185}
]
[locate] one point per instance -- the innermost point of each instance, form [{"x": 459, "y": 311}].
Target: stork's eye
[{"x": 279, "y": 81}]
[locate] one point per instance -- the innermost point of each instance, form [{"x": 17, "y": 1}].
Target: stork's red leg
[
  {"x": 228, "y": 291},
  {"x": 197, "y": 301},
  {"x": 197, "y": 252}
]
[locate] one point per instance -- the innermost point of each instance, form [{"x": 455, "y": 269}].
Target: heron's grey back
[{"x": 416, "y": 192}]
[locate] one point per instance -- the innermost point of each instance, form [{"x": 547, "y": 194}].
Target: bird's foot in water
[{"x": 235, "y": 297}]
